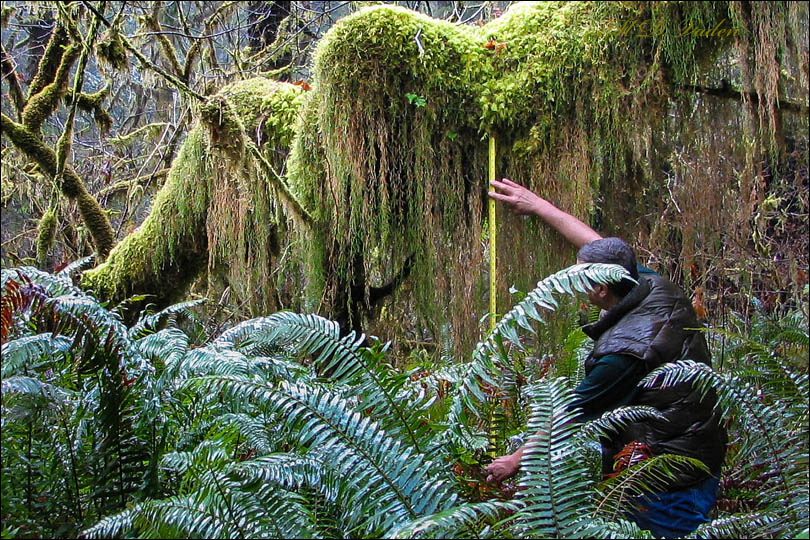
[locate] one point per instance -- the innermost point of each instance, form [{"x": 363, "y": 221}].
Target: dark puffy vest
[{"x": 652, "y": 323}]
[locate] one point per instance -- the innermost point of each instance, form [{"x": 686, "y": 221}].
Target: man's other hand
[{"x": 503, "y": 467}]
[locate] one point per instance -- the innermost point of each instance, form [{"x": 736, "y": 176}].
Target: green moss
[
  {"x": 586, "y": 110},
  {"x": 165, "y": 252},
  {"x": 7, "y": 190},
  {"x": 110, "y": 49},
  {"x": 48, "y": 64},
  {"x": 71, "y": 184},
  {"x": 42, "y": 104},
  {"x": 216, "y": 208},
  {"x": 260, "y": 108},
  {"x": 147, "y": 132},
  {"x": 46, "y": 234},
  {"x": 93, "y": 103},
  {"x": 7, "y": 13},
  {"x": 574, "y": 92}
]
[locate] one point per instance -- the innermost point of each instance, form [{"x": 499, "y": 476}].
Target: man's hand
[
  {"x": 519, "y": 199},
  {"x": 504, "y": 467},
  {"x": 523, "y": 201}
]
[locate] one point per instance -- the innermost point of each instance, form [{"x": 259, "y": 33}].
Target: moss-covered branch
[
  {"x": 727, "y": 92},
  {"x": 65, "y": 142},
  {"x": 218, "y": 205},
  {"x": 152, "y": 22},
  {"x": 93, "y": 103},
  {"x": 163, "y": 256},
  {"x": 10, "y": 76},
  {"x": 129, "y": 184},
  {"x": 44, "y": 103},
  {"x": 586, "y": 100},
  {"x": 71, "y": 184},
  {"x": 49, "y": 62}
]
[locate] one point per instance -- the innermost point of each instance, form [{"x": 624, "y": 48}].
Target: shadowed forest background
[{"x": 233, "y": 233}]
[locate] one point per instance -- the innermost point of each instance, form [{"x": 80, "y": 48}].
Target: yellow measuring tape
[
  {"x": 492, "y": 295},
  {"x": 492, "y": 245}
]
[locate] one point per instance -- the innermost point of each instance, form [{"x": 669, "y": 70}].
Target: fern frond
[
  {"x": 340, "y": 357},
  {"x": 254, "y": 431},
  {"x": 304, "y": 335},
  {"x": 29, "y": 350},
  {"x": 167, "y": 347},
  {"x": 29, "y": 386},
  {"x": 556, "y": 485},
  {"x": 219, "y": 508},
  {"x": 52, "y": 285},
  {"x": 784, "y": 448},
  {"x": 456, "y": 522},
  {"x": 618, "y": 528},
  {"x": 147, "y": 323},
  {"x": 754, "y": 525},
  {"x": 100, "y": 335},
  {"x": 393, "y": 482},
  {"x": 577, "y": 278},
  {"x": 78, "y": 265},
  {"x": 293, "y": 472},
  {"x": 648, "y": 476},
  {"x": 206, "y": 456},
  {"x": 612, "y": 422},
  {"x": 116, "y": 525}
]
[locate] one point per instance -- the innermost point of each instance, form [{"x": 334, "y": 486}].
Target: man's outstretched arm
[{"x": 523, "y": 201}]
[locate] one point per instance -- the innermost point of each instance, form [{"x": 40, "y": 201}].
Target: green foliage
[
  {"x": 416, "y": 100},
  {"x": 283, "y": 427}
]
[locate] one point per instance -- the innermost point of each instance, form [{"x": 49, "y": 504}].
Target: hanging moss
[
  {"x": 578, "y": 94},
  {"x": 216, "y": 209},
  {"x": 164, "y": 254},
  {"x": 110, "y": 49},
  {"x": 615, "y": 112},
  {"x": 46, "y": 234},
  {"x": 395, "y": 187},
  {"x": 92, "y": 103}
]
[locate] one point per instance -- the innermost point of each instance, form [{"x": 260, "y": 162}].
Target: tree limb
[
  {"x": 71, "y": 185},
  {"x": 727, "y": 92},
  {"x": 176, "y": 82},
  {"x": 13, "y": 84}
]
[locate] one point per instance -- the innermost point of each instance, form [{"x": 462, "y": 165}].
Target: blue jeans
[{"x": 671, "y": 515}]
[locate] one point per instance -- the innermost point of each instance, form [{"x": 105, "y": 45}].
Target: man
[{"x": 643, "y": 326}]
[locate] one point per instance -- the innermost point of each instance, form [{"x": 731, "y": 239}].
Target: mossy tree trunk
[{"x": 218, "y": 209}]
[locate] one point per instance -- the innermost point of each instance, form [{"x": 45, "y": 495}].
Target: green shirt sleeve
[{"x": 611, "y": 383}]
